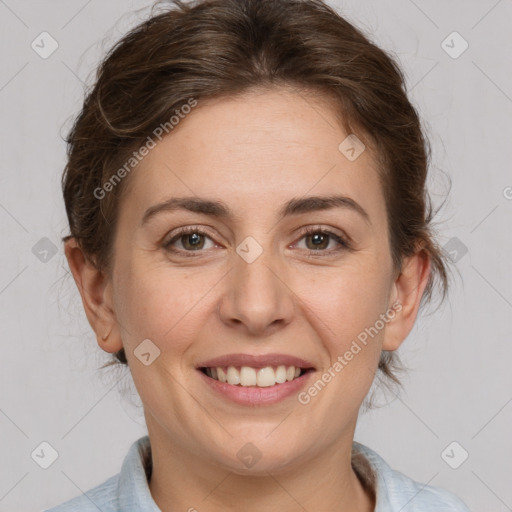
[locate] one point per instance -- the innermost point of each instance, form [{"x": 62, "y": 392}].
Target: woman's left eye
[
  {"x": 319, "y": 240},
  {"x": 316, "y": 240}
]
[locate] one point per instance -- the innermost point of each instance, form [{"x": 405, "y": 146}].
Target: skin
[{"x": 253, "y": 152}]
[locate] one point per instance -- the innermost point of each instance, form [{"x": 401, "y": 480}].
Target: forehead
[{"x": 255, "y": 151}]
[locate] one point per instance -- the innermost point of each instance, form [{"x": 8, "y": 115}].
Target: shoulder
[
  {"x": 396, "y": 491},
  {"x": 128, "y": 490},
  {"x": 102, "y": 497},
  {"x": 411, "y": 496}
]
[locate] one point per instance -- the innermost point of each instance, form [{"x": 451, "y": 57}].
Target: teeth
[
  {"x": 221, "y": 375},
  {"x": 266, "y": 377},
  {"x": 247, "y": 376},
  {"x": 281, "y": 374},
  {"x": 233, "y": 376}
]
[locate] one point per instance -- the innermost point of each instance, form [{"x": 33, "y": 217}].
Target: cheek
[
  {"x": 347, "y": 315},
  {"x": 159, "y": 304},
  {"x": 345, "y": 306},
  {"x": 347, "y": 298}
]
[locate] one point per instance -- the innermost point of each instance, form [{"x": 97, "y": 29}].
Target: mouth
[
  {"x": 261, "y": 377},
  {"x": 255, "y": 379}
]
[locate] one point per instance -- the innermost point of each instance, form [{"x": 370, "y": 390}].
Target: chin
[{"x": 259, "y": 457}]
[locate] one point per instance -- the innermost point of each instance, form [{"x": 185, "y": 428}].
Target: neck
[{"x": 181, "y": 481}]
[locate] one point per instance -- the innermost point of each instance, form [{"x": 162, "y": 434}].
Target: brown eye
[
  {"x": 187, "y": 240},
  {"x": 192, "y": 241},
  {"x": 318, "y": 240}
]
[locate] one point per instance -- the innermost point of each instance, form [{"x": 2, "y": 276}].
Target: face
[{"x": 264, "y": 271}]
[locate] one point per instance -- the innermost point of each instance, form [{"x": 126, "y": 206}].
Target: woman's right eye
[{"x": 190, "y": 239}]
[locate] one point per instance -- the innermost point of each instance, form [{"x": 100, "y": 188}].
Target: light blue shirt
[{"x": 128, "y": 491}]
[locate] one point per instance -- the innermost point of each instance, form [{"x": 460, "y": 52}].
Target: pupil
[
  {"x": 318, "y": 239},
  {"x": 193, "y": 240}
]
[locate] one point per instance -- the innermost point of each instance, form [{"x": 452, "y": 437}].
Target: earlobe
[
  {"x": 94, "y": 287},
  {"x": 408, "y": 291}
]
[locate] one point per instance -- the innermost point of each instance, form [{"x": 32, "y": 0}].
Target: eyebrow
[{"x": 219, "y": 209}]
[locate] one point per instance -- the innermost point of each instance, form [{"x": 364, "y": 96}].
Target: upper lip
[{"x": 256, "y": 361}]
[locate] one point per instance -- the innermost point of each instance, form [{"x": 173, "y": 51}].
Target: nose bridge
[{"x": 257, "y": 296}]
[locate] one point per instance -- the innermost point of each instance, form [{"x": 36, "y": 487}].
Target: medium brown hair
[{"x": 220, "y": 48}]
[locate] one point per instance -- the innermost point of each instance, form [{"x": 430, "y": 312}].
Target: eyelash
[{"x": 345, "y": 245}]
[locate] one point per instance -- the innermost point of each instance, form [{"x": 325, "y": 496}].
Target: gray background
[{"x": 459, "y": 384}]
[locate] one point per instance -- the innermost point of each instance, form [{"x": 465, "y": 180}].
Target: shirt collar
[
  {"x": 133, "y": 489},
  {"x": 372, "y": 470}
]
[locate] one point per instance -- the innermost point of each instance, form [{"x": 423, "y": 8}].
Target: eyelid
[
  {"x": 342, "y": 238},
  {"x": 179, "y": 232},
  {"x": 336, "y": 232}
]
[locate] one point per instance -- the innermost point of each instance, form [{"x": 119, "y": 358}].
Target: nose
[{"x": 257, "y": 298}]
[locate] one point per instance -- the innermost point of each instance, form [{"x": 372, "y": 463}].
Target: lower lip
[{"x": 253, "y": 395}]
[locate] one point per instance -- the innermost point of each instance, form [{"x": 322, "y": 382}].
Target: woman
[{"x": 250, "y": 235}]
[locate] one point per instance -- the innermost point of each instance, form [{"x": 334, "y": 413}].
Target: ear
[
  {"x": 96, "y": 291},
  {"x": 407, "y": 291}
]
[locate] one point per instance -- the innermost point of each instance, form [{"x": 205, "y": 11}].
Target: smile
[
  {"x": 248, "y": 376},
  {"x": 255, "y": 379}
]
